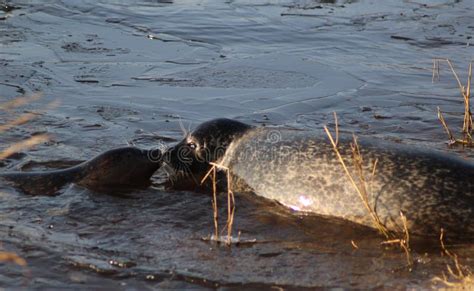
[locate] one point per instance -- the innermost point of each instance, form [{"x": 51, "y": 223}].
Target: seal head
[
  {"x": 121, "y": 167},
  {"x": 188, "y": 161}
]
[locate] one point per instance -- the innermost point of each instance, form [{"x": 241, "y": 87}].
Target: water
[{"x": 128, "y": 71}]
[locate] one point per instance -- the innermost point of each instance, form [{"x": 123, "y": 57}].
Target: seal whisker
[{"x": 181, "y": 125}]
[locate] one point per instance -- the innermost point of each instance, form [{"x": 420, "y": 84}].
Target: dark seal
[
  {"x": 125, "y": 167},
  {"x": 188, "y": 161},
  {"x": 299, "y": 169}
]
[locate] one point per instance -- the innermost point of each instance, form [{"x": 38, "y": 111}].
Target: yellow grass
[
  {"x": 404, "y": 242},
  {"x": 9, "y": 257},
  {"x": 452, "y": 139},
  {"x": 361, "y": 185},
  {"x": 230, "y": 201},
  {"x": 354, "y": 244},
  {"x": 22, "y": 119},
  {"x": 19, "y": 101},
  {"x": 23, "y": 145},
  {"x": 458, "y": 276},
  {"x": 213, "y": 170},
  {"x": 12, "y": 258},
  {"x": 465, "y": 91}
]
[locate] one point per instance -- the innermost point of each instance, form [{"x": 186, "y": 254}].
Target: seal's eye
[{"x": 192, "y": 145}]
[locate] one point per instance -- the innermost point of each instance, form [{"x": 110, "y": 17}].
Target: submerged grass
[{"x": 465, "y": 90}]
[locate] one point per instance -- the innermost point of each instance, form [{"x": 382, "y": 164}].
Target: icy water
[{"x": 127, "y": 71}]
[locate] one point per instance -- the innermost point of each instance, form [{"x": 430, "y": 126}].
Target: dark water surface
[{"x": 126, "y": 71}]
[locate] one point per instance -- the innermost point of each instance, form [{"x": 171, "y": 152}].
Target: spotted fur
[{"x": 301, "y": 171}]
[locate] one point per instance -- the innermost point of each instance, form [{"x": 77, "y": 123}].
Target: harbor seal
[
  {"x": 300, "y": 170},
  {"x": 188, "y": 161},
  {"x": 121, "y": 167}
]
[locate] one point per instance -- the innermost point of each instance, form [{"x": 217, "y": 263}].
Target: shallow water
[{"x": 129, "y": 71}]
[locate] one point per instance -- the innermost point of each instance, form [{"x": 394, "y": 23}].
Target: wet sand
[{"x": 128, "y": 71}]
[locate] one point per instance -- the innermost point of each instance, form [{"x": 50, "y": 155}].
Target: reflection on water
[{"x": 264, "y": 62}]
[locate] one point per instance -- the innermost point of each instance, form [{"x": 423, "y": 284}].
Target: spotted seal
[
  {"x": 120, "y": 167},
  {"x": 299, "y": 169}
]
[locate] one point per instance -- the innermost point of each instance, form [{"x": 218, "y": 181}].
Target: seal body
[
  {"x": 121, "y": 167},
  {"x": 300, "y": 169}
]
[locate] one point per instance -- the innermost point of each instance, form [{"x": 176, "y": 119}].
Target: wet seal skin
[
  {"x": 188, "y": 161},
  {"x": 127, "y": 167},
  {"x": 300, "y": 170}
]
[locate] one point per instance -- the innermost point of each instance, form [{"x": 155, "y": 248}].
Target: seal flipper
[
  {"x": 40, "y": 183},
  {"x": 121, "y": 167}
]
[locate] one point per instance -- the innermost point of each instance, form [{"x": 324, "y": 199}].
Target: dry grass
[
  {"x": 22, "y": 119},
  {"x": 458, "y": 276},
  {"x": 9, "y": 257},
  {"x": 19, "y": 101},
  {"x": 358, "y": 181},
  {"x": 465, "y": 91},
  {"x": 12, "y": 258},
  {"x": 354, "y": 245},
  {"x": 404, "y": 242},
  {"x": 362, "y": 186},
  {"x": 230, "y": 203},
  {"x": 23, "y": 145}
]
